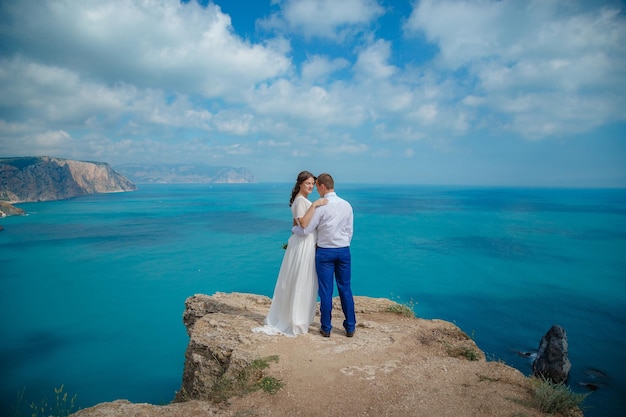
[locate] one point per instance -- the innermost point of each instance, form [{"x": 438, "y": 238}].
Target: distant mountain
[
  {"x": 185, "y": 173},
  {"x": 44, "y": 178}
]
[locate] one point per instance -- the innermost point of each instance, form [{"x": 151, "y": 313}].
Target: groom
[{"x": 334, "y": 225}]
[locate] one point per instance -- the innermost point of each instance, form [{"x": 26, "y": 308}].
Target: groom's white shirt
[{"x": 333, "y": 221}]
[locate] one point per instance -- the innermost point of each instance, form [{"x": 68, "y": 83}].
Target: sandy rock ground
[{"x": 393, "y": 366}]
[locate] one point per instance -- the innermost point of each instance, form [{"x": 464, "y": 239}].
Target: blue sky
[{"x": 477, "y": 92}]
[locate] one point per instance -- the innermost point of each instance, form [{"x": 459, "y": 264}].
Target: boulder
[{"x": 552, "y": 360}]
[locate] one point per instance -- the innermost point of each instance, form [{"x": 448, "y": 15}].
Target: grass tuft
[
  {"x": 466, "y": 352},
  {"x": 551, "y": 397},
  {"x": 62, "y": 406},
  {"x": 270, "y": 384},
  {"x": 247, "y": 380},
  {"x": 403, "y": 309}
]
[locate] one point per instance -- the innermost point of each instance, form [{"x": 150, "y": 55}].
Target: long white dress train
[{"x": 295, "y": 295}]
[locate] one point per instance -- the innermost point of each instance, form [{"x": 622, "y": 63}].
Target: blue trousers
[{"x": 335, "y": 262}]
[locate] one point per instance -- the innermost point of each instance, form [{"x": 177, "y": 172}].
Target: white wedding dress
[{"x": 295, "y": 295}]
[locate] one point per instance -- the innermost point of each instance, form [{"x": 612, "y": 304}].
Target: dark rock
[{"x": 552, "y": 362}]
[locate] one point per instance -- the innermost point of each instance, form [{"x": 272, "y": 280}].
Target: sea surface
[{"x": 92, "y": 289}]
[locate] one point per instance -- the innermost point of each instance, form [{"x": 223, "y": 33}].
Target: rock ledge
[{"x": 393, "y": 366}]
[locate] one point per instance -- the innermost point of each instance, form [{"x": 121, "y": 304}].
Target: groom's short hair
[{"x": 326, "y": 180}]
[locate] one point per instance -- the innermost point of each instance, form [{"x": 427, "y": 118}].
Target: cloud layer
[{"x": 158, "y": 80}]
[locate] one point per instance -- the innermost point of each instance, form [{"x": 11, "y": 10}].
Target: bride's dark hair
[{"x": 303, "y": 176}]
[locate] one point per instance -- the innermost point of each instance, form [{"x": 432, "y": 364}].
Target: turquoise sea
[{"x": 92, "y": 289}]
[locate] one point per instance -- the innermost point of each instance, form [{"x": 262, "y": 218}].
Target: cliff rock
[
  {"x": 552, "y": 361},
  {"x": 395, "y": 365},
  {"x": 26, "y": 179},
  {"x": 7, "y": 209}
]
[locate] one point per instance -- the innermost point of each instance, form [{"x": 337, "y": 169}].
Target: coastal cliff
[
  {"x": 26, "y": 179},
  {"x": 395, "y": 365},
  {"x": 7, "y": 209},
  {"x": 186, "y": 174}
]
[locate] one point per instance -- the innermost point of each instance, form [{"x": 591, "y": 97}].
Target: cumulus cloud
[
  {"x": 140, "y": 79},
  {"x": 538, "y": 65},
  {"x": 145, "y": 68},
  {"x": 372, "y": 62},
  {"x": 234, "y": 122},
  {"x": 325, "y": 18},
  {"x": 150, "y": 44},
  {"x": 315, "y": 104},
  {"x": 319, "y": 68}
]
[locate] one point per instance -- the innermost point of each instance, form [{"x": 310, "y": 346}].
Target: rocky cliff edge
[
  {"x": 394, "y": 365},
  {"x": 26, "y": 179}
]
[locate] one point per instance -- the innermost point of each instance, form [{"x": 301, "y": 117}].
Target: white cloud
[
  {"x": 325, "y": 18},
  {"x": 473, "y": 101},
  {"x": 141, "y": 80},
  {"x": 147, "y": 43},
  {"x": 315, "y": 103},
  {"x": 318, "y": 68},
  {"x": 427, "y": 113},
  {"x": 537, "y": 64},
  {"x": 399, "y": 133},
  {"x": 372, "y": 62},
  {"x": 234, "y": 123},
  {"x": 56, "y": 94},
  {"x": 349, "y": 147},
  {"x": 16, "y": 138}
]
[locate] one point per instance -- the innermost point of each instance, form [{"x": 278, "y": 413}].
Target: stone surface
[
  {"x": 552, "y": 360},
  {"x": 393, "y": 366}
]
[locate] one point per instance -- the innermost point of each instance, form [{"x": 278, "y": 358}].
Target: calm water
[{"x": 92, "y": 289}]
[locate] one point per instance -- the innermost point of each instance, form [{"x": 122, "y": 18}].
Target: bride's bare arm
[{"x": 304, "y": 220}]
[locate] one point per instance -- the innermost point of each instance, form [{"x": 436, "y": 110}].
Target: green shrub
[
  {"x": 403, "y": 309},
  {"x": 551, "y": 397},
  {"x": 247, "y": 380},
  {"x": 270, "y": 384},
  {"x": 466, "y": 352}
]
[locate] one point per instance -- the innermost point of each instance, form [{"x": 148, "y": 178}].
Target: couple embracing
[{"x": 317, "y": 254}]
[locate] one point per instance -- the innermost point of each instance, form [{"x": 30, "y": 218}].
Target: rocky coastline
[
  {"x": 7, "y": 209},
  {"x": 44, "y": 178},
  {"x": 395, "y": 365},
  {"x": 185, "y": 174}
]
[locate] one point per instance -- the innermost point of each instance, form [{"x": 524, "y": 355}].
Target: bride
[{"x": 295, "y": 295}]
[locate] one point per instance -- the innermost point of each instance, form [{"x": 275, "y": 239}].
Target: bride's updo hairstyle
[{"x": 303, "y": 176}]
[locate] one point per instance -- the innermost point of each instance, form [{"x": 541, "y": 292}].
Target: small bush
[
  {"x": 270, "y": 384},
  {"x": 550, "y": 397},
  {"x": 462, "y": 352},
  {"x": 247, "y": 380},
  {"x": 403, "y": 309}
]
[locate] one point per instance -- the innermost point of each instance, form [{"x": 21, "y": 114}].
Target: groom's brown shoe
[
  {"x": 349, "y": 334},
  {"x": 325, "y": 334}
]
